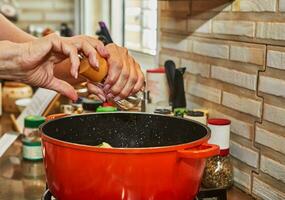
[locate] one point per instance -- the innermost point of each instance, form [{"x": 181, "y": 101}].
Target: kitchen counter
[{"x": 24, "y": 180}]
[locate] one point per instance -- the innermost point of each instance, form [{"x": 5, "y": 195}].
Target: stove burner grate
[
  {"x": 47, "y": 196},
  {"x": 219, "y": 194}
]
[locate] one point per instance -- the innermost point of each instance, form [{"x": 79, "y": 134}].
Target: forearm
[
  {"x": 12, "y": 33},
  {"x": 15, "y": 34},
  {"x": 10, "y": 60}
]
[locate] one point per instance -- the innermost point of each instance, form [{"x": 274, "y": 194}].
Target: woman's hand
[
  {"x": 34, "y": 62},
  {"x": 124, "y": 76}
]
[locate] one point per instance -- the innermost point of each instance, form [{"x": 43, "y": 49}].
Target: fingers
[
  {"x": 132, "y": 80},
  {"x": 116, "y": 66},
  {"x": 98, "y": 45},
  {"x": 96, "y": 90},
  {"x": 140, "y": 79},
  {"x": 71, "y": 46},
  {"x": 62, "y": 47},
  {"x": 124, "y": 76},
  {"x": 122, "y": 80},
  {"x": 90, "y": 52},
  {"x": 71, "y": 51},
  {"x": 88, "y": 45},
  {"x": 63, "y": 88}
]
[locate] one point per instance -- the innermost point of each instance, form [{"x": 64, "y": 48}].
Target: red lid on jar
[
  {"x": 108, "y": 104},
  {"x": 219, "y": 121},
  {"x": 156, "y": 70},
  {"x": 224, "y": 152}
]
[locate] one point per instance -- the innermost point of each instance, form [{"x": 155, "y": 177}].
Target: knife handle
[{"x": 87, "y": 71}]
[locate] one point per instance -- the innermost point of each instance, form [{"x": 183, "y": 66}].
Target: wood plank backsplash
[
  {"x": 44, "y": 13},
  {"x": 234, "y": 52}
]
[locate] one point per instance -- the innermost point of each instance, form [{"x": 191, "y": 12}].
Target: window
[
  {"x": 140, "y": 25},
  {"x": 132, "y": 23}
]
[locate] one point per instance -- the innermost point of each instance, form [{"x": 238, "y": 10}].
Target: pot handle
[{"x": 203, "y": 151}]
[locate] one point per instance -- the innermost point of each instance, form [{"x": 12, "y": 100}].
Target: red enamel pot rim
[{"x": 189, "y": 145}]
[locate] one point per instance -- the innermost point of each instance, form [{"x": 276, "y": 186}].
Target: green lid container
[
  {"x": 33, "y": 121},
  {"x": 179, "y": 112},
  {"x": 27, "y": 142},
  {"x": 106, "y": 109}
]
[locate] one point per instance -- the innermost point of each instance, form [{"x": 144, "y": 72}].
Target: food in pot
[{"x": 104, "y": 145}]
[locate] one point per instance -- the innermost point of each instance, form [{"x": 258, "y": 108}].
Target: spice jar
[
  {"x": 163, "y": 111},
  {"x": 66, "y": 108},
  {"x": 205, "y": 111},
  {"x": 32, "y": 139},
  {"x": 33, "y": 179},
  {"x": 90, "y": 105},
  {"x": 219, "y": 170},
  {"x": 196, "y": 116}
]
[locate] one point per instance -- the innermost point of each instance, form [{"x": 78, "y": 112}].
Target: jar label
[{"x": 32, "y": 152}]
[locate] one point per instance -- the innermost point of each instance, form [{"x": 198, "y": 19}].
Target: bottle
[
  {"x": 218, "y": 172},
  {"x": 32, "y": 138}
]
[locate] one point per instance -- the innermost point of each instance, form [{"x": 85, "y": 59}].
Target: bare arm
[
  {"x": 124, "y": 76},
  {"x": 12, "y": 33}
]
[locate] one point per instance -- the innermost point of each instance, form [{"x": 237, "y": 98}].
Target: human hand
[
  {"x": 34, "y": 62},
  {"x": 124, "y": 75}
]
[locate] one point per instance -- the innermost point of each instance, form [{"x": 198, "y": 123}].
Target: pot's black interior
[{"x": 125, "y": 130}]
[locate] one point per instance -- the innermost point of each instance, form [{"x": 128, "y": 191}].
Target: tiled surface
[
  {"x": 234, "y": 52},
  {"x": 45, "y": 13}
]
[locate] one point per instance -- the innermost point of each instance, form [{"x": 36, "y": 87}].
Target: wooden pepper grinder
[{"x": 87, "y": 71}]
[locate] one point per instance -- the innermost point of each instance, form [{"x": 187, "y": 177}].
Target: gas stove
[{"x": 218, "y": 194}]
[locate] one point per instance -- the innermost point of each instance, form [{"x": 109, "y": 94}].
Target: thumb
[{"x": 63, "y": 88}]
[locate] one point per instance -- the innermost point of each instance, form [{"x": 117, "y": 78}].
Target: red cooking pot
[{"x": 154, "y": 157}]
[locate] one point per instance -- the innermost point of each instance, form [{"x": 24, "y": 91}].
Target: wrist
[{"x": 10, "y": 59}]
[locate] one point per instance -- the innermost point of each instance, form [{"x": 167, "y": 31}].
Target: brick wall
[
  {"x": 44, "y": 13},
  {"x": 234, "y": 52}
]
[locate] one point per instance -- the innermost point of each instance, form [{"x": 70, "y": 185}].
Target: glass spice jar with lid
[
  {"x": 32, "y": 138},
  {"x": 218, "y": 172}
]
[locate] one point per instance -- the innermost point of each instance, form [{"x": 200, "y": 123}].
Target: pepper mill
[{"x": 96, "y": 76}]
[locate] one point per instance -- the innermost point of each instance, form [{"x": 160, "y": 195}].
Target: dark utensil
[
  {"x": 104, "y": 34},
  {"x": 170, "y": 75},
  {"x": 179, "y": 100}
]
